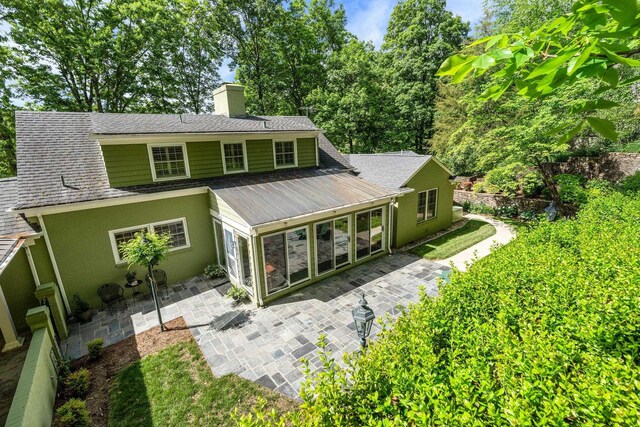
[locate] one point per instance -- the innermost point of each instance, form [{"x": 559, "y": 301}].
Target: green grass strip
[{"x": 456, "y": 241}]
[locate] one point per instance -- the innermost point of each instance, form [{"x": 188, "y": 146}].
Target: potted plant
[
  {"x": 81, "y": 308},
  {"x": 213, "y": 271},
  {"x": 237, "y": 293},
  {"x": 130, "y": 275}
]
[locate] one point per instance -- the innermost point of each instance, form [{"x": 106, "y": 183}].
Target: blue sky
[{"x": 368, "y": 20}]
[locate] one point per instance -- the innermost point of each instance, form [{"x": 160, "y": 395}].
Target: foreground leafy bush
[
  {"x": 94, "y": 347},
  {"x": 76, "y": 384},
  {"x": 73, "y": 413},
  {"x": 631, "y": 184},
  {"x": 545, "y": 331},
  {"x": 571, "y": 189}
]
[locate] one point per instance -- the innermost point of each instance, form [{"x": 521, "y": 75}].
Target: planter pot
[{"x": 85, "y": 316}]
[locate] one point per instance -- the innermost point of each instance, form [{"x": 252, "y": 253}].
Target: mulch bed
[{"x": 120, "y": 355}]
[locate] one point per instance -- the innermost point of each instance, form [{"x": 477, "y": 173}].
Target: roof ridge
[{"x": 390, "y": 154}]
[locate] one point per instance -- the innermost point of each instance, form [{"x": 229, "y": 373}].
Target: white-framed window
[
  {"x": 168, "y": 161},
  {"x": 176, "y": 228},
  {"x": 369, "y": 232},
  {"x": 285, "y": 153},
  {"x": 285, "y": 258},
  {"x": 234, "y": 156},
  {"x": 427, "y": 204}
]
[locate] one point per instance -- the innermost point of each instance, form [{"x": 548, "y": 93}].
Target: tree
[
  {"x": 105, "y": 55},
  {"x": 148, "y": 250},
  {"x": 595, "y": 42},
  {"x": 7, "y": 132},
  {"x": 420, "y": 35},
  {"x": 354, "y": 106}
]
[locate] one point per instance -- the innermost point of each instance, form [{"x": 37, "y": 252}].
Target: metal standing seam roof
[
  {"x": 389, "y": 170},
  {"x": 260, "y": 203},
  {"x": 55, "y": 144}
]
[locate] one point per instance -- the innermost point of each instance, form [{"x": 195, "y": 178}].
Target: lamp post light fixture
[{"x": 363, "y": 317}]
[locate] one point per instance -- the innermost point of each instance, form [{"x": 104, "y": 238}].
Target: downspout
[
  {"x": 317, "y": 156},
  {"x": 258, "y": 288},
  {"x": 32, "y": 265},
  {"x": 63, "y": 292},
  {"x": 391, "y": 230}
]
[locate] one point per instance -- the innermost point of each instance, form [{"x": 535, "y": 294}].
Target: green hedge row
[{"x": 545, "y": 331}]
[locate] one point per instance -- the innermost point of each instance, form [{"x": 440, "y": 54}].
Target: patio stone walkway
[{"x": 268, "y": 345}]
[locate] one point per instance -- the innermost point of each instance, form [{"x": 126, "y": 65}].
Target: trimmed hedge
[{"x": 545, "y": 331}]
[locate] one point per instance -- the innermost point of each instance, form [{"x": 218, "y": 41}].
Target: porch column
[
  {"x": 49, "y": 291},
  {"x": 39, "y": 318},
  {"x": 7, "y": 327}
]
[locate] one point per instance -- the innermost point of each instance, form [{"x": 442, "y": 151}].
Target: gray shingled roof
[
  {"x": 55, "y": 144},
  {"x": 116, "y": 124},
  {"x": 11, "y": 224},
  {"x": 8, "y": 249},
  {"x": 260, "y": 200},
  {"x": 390, "y": 170}
]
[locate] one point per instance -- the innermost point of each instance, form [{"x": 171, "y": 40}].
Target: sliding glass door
[
  {"x": 369, "y": 232},
  {"x": 286, "y": 259},
  {"x": 332, "y": 244}
]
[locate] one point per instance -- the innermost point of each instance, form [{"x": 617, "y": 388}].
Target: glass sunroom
[{"x": 277, "y": 236}]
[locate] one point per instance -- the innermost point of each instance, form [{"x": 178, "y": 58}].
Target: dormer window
[
  {"x": 234, "y": 155},
  {"x": 168, "y": 161},
  {"x": 284, "y": 154}
]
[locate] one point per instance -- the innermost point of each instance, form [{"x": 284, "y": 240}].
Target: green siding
[
  {"x": 82, "y": 247},
  {"x": 313, "y": 268},
  {"x": 260, "y": 155},
  {"x": 306, "y": 152},
  {"x": 127, "y": 164},
  {"x": 407, "y": 228},
  {"x": 18, "y": 288},
  {"x": 205, "y": 159},
  {"x": 41, "y": 259}
]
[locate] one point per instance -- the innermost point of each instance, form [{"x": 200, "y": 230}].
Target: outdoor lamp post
[{"x": 363, "y": 317}]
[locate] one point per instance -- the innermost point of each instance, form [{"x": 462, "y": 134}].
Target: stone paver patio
[{"x": 268, "y": 345}]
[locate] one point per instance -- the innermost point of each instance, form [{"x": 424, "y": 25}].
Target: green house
[{"x": 267, "y": 197}]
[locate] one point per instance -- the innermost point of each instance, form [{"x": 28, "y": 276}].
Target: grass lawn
[
  {"x": 456, "y": 241},
  {"x": 176, "y": 387}
]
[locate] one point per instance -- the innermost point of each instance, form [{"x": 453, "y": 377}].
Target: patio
[{"x": 265, "y": 344}]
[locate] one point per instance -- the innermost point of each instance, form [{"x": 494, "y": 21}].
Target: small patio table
[{"x": 135, "y": 289}]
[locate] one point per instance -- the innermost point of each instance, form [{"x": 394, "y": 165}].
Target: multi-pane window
[
  {"x": 169, "y": 161},
  {"x": 427, "y": 204},
  {"x": 176, "y": 229},
  {"x": 332, "y": 244},
  {"x": 369, "y": 232},
  {"x": 286, "y": 259},
  {"x": 285, "y": 153},
  {"x": 234, "y": 157}
]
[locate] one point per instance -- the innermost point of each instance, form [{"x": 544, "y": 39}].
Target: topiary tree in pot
[{"x": 148, "y": 250}]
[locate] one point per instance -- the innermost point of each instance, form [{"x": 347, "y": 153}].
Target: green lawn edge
[{"x": 447, "y": 245}]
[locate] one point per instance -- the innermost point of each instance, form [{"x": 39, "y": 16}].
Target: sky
[{"x": 368, "y": 20}]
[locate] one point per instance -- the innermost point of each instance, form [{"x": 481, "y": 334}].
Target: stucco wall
[
  {"x": 18, "y": 288},
  {"x": 83, "y": 251},
  {"x": 407, "y": 227}
]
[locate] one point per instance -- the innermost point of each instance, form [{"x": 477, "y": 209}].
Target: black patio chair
[
  {"x": 111, "y": 294},
  {"x": 161, "y": 280}
]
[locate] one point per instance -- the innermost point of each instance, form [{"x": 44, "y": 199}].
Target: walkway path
[{"x": 504, "y": 234}]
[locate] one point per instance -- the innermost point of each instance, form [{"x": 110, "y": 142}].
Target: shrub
[
  {"x": 213, "y": 271},
  {"x": 514, "y": 179},
  {"x": 542, "y": 332},
  {"x": 570, "y": 188},
  {"x": 64, "y": 368},
  {"x": 95, "y": 348},
  {"x": 531, "y": 184},
  {"x": 506, "y": 211},
  {"x": 237, "y": 293},
  {"x": 478, "y": 187},
  {"x": 528, "y": 216},
  {"x": 480, "y": 208},
  {"x": 73, "y": 413},
  {"x": 631, "y": 184},
  {"x": 76, "y": 384}
]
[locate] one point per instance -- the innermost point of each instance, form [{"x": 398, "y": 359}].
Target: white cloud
[{"x": 368, "y": 19}]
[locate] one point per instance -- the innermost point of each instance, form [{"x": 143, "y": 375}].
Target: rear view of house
[{"x": 267, "y": 197}]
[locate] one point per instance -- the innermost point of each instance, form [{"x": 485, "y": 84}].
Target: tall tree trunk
[{"x": 547, "y": 177}]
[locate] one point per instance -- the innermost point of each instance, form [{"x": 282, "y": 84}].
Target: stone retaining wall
[
  {"x": 610, "y": 166},
  {"x": 497, "y": 200}
]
